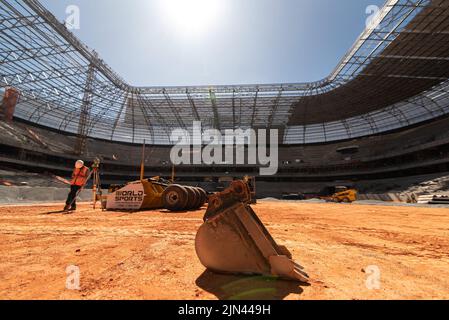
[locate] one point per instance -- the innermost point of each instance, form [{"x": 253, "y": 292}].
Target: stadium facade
[{"x": 383, "y": 112}]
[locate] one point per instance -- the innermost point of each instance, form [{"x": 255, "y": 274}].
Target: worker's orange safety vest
[{"x": 79, "y": 176}]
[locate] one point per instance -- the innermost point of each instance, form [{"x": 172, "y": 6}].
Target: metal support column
[{"x": 83, "y": 129}]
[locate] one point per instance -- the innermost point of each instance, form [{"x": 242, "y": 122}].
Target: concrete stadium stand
[{"x": 386, "y": 197}]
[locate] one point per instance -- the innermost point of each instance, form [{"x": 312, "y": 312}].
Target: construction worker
[{"x": 79, "y": 179}]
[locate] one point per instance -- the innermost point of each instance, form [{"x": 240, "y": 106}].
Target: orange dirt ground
[{"x": 151, "y": 255}]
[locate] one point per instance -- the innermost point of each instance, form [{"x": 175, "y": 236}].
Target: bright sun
[{"x": 191, "y": 17}]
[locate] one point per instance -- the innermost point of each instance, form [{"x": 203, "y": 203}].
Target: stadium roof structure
[{"x": 395, "y": 75}]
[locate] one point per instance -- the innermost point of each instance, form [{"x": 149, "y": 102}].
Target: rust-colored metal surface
[
  {"x": 234, "y": 240},
  {"x": 10, "y": 99}
]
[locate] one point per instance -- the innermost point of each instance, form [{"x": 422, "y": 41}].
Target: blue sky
[{"x": 155, "y": 42}]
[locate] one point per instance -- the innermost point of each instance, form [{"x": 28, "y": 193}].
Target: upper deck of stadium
[{"x": 395, "y": 75}]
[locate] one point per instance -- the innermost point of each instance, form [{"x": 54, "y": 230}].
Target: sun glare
[{"x": 191, "y": 17}]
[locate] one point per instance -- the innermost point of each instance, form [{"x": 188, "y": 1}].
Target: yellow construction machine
[
  {"x": 342, "y": 194},
  {"x": 154, "y": 193},
  {"x": 180, "y": 198},
  {"x": 136, "y": 195},
  {"x": 233, "y": 239}
]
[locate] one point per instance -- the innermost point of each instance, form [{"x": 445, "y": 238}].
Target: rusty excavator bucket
[{"x": 234, "y": 240}]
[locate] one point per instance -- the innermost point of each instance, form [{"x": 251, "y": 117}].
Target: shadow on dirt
[
  {"x": 55, "y": 212},
  {"x": 233, "y": 287},
  {"x": 166, "y": 211}
]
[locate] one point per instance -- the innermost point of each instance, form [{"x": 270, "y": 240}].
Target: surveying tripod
[{"x": 96, "y": 187}]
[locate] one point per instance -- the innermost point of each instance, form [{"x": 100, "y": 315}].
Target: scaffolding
[{"x": 394, "y": 75}]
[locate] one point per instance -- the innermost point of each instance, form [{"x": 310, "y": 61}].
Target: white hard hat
[{"x": 79, "y": 164}]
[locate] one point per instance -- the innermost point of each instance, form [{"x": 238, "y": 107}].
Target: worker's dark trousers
[{"x": 72, "y": 196}]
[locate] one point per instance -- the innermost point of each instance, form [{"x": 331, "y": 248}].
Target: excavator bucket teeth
[{"x": 234, "y": 240}]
